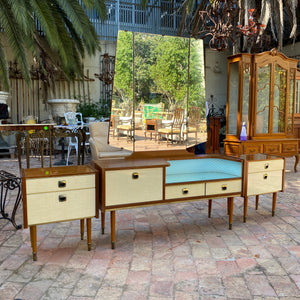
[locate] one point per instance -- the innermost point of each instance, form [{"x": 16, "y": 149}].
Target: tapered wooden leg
[
  {"x": 102, "y": 221},
  {"x": 82, "y": 228},
  {"x": 113, "y": 228},
  {"x": 274, "y": 204},
  {"x": 33, "y": 241},
  {"x": 256, "y": 201},
  {"x": 89, "y": 232},
  {"x": 230, "y": 206},
  {"x": 245, "y": 208},
  {"x": 209, "y": 207}
]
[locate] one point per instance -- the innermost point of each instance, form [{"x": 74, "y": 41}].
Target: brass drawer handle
[
  {"x": 265, "y": 176},
  {"x": 135, "y": 175},
  {"x": 62, "y": 198},
  {"x": 224, "y": 187},
  {"x": 266, "y": 166},
  {"x": 62, "y": 183},
  {"x": 185, "y": 191}
]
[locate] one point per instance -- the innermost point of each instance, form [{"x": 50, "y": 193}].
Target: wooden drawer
[
  {"x": 251, "y": 148},
  {"x": 133, "y": 186},
  {"x": 223, "y": 187},
  {"x": 290, "y": 147},
  {"x": 272, "y": 148},
  {"x": 185, "y": 191},
  {"x": 51, "y": 184},
  {"x": 264, "y": 182},
  {"x": 266, "y": 165},
  {"x": 51, "y": 207}
]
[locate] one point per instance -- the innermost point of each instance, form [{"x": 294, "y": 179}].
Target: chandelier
[
  {"x": 252, "y": 29},
  {"x": 218, "y": 20}
]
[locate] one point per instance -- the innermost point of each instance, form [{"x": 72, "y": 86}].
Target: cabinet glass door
[
  {"x": 233, "y": 98},
  {"x": 263, "y": 100},
  {"x": 279, "y": 102}
]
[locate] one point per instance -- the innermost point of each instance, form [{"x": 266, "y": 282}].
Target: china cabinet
[
  {"x": 297, "y": 106},
  {"x": 261, "y": 93}
]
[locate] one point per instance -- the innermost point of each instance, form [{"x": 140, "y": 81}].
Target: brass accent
[
  {"x": 62, "y": 183},
  {"x": 185, "y": 191},
  {"x": 266, "y": 166},
  {"x": 135, "y": 175},
  {"x": 224, "y": 187},
  {"x": 62, "y": 198},
  {"x": 265, "y": 176}
]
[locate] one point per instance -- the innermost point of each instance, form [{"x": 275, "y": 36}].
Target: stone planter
[{"x": 60, "y": 106}]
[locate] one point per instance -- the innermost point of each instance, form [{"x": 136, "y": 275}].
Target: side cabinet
[
  {"x": 59, "y": 194},
  {"x": 263, "y": 174}
]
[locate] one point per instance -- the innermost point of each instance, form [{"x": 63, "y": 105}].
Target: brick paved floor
[{"x": 163, "y": 252}]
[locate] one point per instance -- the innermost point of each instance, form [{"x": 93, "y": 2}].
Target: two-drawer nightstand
[
  {"x": 263, "y": 174},
  {"x": 59, "y": 194}
]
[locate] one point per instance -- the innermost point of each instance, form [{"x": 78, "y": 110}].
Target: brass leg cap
[
  {"x": 273, "y": 213},
  {"x": 103, "y": 230},
  {"x": 89, "y": 246},
  {"x": 82, "y": 236},
  {"x": 34, "y": 256},
  {"x": 113, "y": 245},
  {"x": 230, "y": 226},
  {"x": 245, "y": 219}
]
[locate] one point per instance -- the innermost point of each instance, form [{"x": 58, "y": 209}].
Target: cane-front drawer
[
  {"x": 133, "y": 186},
  {"x": 224, "y": 187},
  {"x": 60, "y": 206},
  {"x": 63, "y": 183},
  {"x": 267, "y": 165},
  {"x": 264, "y": 182},
  {"x": 184, "y": 191}
]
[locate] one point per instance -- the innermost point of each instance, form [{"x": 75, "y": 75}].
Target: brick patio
[{"x": 163, "y": 252}]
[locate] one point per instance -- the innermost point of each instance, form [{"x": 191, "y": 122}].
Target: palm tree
[
  {"x": 279, "y": 18},
  {"x": 56, "y": 32}
]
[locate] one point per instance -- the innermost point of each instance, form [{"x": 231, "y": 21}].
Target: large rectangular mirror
[{"x": 158, "y": 100}]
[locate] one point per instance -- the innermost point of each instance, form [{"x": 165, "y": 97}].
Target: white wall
[{"x": 216, "y": 77}]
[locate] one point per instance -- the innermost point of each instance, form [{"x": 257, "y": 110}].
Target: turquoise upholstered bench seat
[{"x": 202, "y": 170}]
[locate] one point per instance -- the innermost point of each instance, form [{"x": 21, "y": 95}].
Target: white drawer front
[
  {"x": 264, "y": 183},
  {"x": 223, "y": 187},
  {"x": 46, "y": 207},
  {"x": 264, "y": 166},
  {"x": 122, "y": 188},
  {"x": 185, "y": 191},
  {"x": 51, "y": 184}
]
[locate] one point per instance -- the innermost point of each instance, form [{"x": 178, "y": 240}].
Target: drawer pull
[
  {"x": 265, "y": 176},
  {"x": 62, "y": 198},
  {"x": 62, "y": 183},
  {"x": 266, "y": 166},
  {"x": 185, "y": 191},
  {"x": 224, "y": 187},
  {"x": 135, "y": 175}
]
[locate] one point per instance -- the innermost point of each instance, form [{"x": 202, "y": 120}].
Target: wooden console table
[{"x": 155, "y": 181}]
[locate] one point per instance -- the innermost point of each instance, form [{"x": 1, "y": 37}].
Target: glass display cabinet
[{"x": 261, "y": 94}]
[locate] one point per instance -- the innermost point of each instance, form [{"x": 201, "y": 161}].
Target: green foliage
[
  {"x": 93, "y": 110},
  {"x": 164, "y": 71},
  {"x": 68, "y": 33}
]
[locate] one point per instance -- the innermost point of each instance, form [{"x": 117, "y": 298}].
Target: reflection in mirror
[
  {"x": 122, "y": 120},
  {"x": 196, "y": 122},
  {"x": 168, "y": 102}
]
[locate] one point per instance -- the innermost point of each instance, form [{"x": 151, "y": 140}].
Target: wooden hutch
[
  {"x": 297, "y": 106},
  {"x": 261, "y": 93}
]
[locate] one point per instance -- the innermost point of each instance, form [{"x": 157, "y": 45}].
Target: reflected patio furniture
[
  {"x": 100, "y": 148},
  {"x": 125, "y": 124},
  {"x": 193, "y": 125},
  {"x": 75, "y": 122},
  {"x": 174, "y": 128}
]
